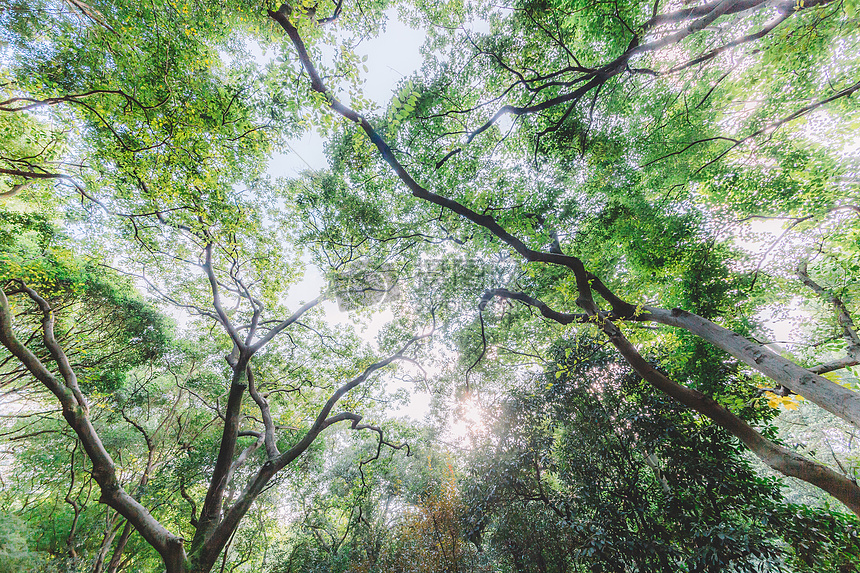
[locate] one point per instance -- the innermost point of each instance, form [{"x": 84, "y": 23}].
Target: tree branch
[
  {"x": 216, "y": 298},
  {"x": 269, "y": 426},
  {"x": 843, "y": 317},
  {"x": 209, "y": 549},
  {"x": 777, "y": 457},
  {"x": 165, "y": 543},
  {"x": 418, "y": 191},
  {"x": 545, "y": 310},
  {"x": 817, "y": 389}
]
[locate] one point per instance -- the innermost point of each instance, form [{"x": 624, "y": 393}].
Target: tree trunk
[
  {"x": 777, "y": 457},
  {"x": 832, "y": 397}
]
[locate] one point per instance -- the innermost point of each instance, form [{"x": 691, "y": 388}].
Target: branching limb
[
  {"x": 54, "y": 349},
  {"x": 238, "y": 360},
  {"x": 263, "y": 340},
  {"x": 185, "y": 495},
  {"x": 710, "y": 54},
  {"x": 32, "y": 174},
  {"x": 697, "y": 11},
  {"x": 545, "y": 310},
  {"x": 596, "y": 78},
  {"x": 381, "y": 441},
  {"x": 213, "y": 543},
  {"x": 269, "y": 426},
  {"x": 242, "y": 458},
  {"x": 843, "y": 317},
  {"x": 17, "y": 104},
  {"x": 322, "y": 420},
  {"x": 830, "y": 396},
  {"x": 216, "y": 298},
  {"x": 338, "y": 7},
  {"x": 777, "y": 457},
  {"x": 817, "y": 389},
  {"x": 168, "y": 545},
  {"x": 486, "y": 221}
]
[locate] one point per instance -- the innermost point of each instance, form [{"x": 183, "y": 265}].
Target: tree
[
  {"x": 588, "y": 466},
  {"x": 554, "y": 88},
  {"x": 631, "y": 131},
  {"x": 214, "y": 525},
  {"x": 167, "y": 140}
]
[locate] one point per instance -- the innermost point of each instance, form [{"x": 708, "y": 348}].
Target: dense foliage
[{"x": 558, "y": 212}]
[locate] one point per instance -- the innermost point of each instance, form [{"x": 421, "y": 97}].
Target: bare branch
[
  {"x": 545, "y": 310},
  {"x": 216, "y": 299},
  {"x": 285, "y": 323},
  {"x": 843, "y": 317}
]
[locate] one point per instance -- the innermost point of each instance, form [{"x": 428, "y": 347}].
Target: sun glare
[{"x": 467, "y": 421}]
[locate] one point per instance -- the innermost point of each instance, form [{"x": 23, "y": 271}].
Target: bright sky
[{"x": 392, "y": 56}]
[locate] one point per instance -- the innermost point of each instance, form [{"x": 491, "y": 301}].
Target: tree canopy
[{"x": 560, "y": 212}]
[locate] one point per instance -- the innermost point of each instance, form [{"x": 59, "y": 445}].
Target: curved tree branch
[
  {"x": 817, "y": 389},
  {"x": 207, "y": 551},
  {"x": 169, "y": 546},
  {"x": 777, "y": 457}
]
